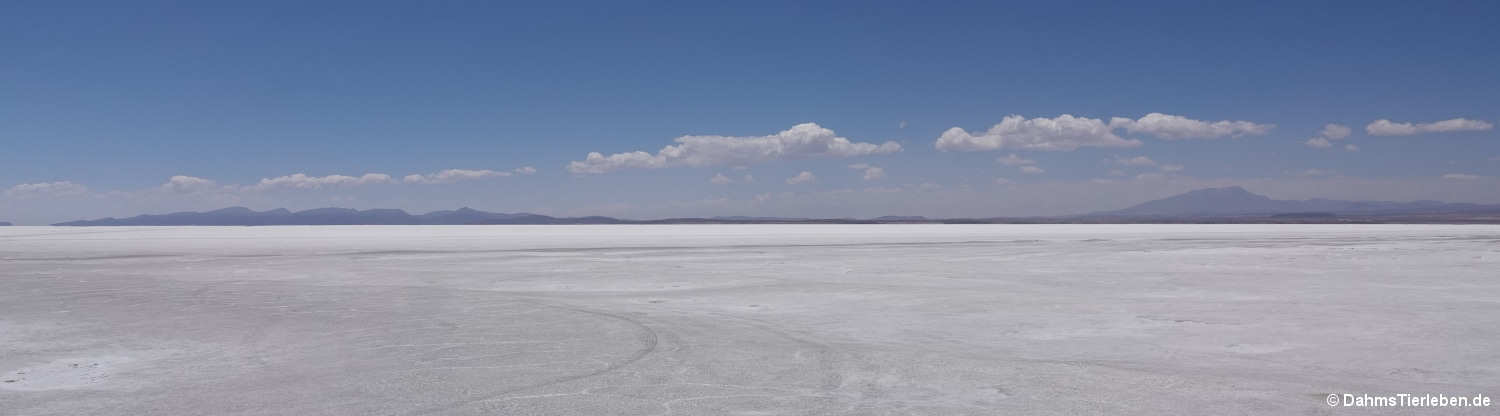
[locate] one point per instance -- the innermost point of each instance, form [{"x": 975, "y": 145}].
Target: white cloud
[
  {"x": 1134, "y": 161},
  {"x": 45, "y": 189},
  {"x": 872, "y": 172},
  {"x": 302, "y": 181},
  {"x": 1172, "y": 127},
  {"x": 801, "y": 178},
  {"x": 524, "y": 170},
  {"x": 803, "y": 141},
  {"x": 901, "y": 125},
  {"x": 454, "y": 175},
  {"x": 188, "y": 184},
  {"x": 1171, "y": 168},
  {"x": 1063, "y": 133},
  {"x": 1335, "y": 131},
  {"x": 1385, "y": 127},
  {"x": 1013, "y": 160},
  {"x": 1032, "y": 170},
  {"x": 1461, "y": 177},
  {"x": 1003, "y": 181},
  {"x": 720, "y": 179},
  {"x": 1331, "y": 132}
]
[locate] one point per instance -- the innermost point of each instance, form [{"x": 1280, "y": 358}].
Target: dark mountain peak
[
  {"x": 5, "y": 224},
  {"x": 1228, "y": 192},
  {"x": 1231, "y": 200}
]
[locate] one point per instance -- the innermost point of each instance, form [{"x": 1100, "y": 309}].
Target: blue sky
[{"x": 101, "y": 104}]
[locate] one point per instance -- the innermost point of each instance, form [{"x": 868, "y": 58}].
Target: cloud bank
[
  {"x": 303, "y": 181},
  {"x": 1062, "y": 133},
  {"x": 1067, "y": 132},
  {"x": 1384, "y": 127},
  {"x": 803, "y": 141},
  {"x": 1171, "y": 127},
  {"x": 456, "y": 175}
]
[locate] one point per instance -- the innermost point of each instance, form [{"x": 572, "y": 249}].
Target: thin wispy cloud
[
  {"x": 1137, "y": 161},
  {"x": 1013, "y": 160},
  {"x": 45, "y": 189},
  {"x": 801, "y": 178},
  {"x": 871, "y": 172}
]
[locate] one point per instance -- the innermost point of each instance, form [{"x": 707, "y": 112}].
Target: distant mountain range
[
  {"x": 1236, "y": 201},
  {"x": 338, "y": 216},
  {"x": 4, "y": 224},
  {"x": 1213, "y": 205}
]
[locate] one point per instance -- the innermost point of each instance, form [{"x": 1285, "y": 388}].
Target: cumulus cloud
[
  {"x": 1330, "y": 133},
  {"x": 720, "y": 179},
  {"x": 1013, "y": 160},
  {"x": 1003, "y": 181},
  {"x": 524, "y": 170},
  {"x": 1385, "y": 127},
  {"x": 183, "y": 184},
  {"x": 1063, "y": 133},
  {"x": 45, "y": 189},
  {"x": 1134, "y": 161},
  {"x": 1172, "y": 127},
  {"x": 1335, "y": 131},
  {"x": 1461, "y": 177},
  {"x": 872, "y": 172},
  {"x": 303, "y": 181},
  {"x": 1032, "y": 170},
  {"x": 803, "y": 141},
  {"x": 455, "y": 175},
  {"x": 804, "y": 177}
]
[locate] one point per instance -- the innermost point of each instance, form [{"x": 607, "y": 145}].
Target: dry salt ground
[{"x": 745, "y": 319}]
